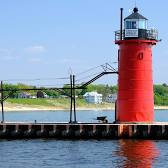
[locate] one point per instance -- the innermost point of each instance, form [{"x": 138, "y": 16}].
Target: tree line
[
  {"x": 161, "y": 94},
  {"x": 105, "y": 90},
  {"x": 160, "y": 91}
]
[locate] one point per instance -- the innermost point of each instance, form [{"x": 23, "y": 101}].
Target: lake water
[
  {"x": 63, "y": 116},
  {"x": 79, "y": 153}
]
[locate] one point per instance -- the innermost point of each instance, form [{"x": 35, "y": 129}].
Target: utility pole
[
  {"x": 74, "y": 98},
  {"x": 2, "y": 101},
  {"x": 73, "y": 102},
  {"x": 70, "y": 120}
]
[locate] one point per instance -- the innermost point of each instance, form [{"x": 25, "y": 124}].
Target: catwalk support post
[
  {"x": 70, "y": 121},
  {"x": 74, "y": 98},
  {"x": 2, "y": 101}
]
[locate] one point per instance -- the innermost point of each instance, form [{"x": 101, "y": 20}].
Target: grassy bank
[
  {"x": 56, "y": 104},
  {"x": 60, "y": 103}
]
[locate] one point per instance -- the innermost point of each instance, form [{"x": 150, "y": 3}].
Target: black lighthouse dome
[{"x": 135, "y": 15}]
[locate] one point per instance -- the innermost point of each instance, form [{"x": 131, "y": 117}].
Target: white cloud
[
  {"x": 37, "y": 49},
  {"x": 4, "y": 52},
  {"x": 10, "y": 58},
  {"x": 35, "y": 60},
  {"x": 7, "y": 54},
  {"x": 69, "y": 60}
]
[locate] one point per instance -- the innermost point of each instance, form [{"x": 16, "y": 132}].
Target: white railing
[{"x": 151, "y": 34}]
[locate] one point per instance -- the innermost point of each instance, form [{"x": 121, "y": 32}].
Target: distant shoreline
[
  {"x": 18, "y": 107},
  {"x": 58, "y": 105},
  {"x": 51, "y": 109}
]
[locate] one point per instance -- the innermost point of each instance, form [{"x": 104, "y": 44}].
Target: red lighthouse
[{"x": 135, "y": 101}]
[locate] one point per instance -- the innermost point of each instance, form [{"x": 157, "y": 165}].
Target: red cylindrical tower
[{"x": 135, "y": 101}]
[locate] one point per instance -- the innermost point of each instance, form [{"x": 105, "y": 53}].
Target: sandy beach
[{"x": 19, "y": 107}]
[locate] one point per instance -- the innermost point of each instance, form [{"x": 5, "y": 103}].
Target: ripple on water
[{"x": 89, "y": 153}]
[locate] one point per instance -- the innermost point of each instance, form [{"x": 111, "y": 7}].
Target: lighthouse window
[
  {"x": 131, "y": 25},
  {"x": 142, "y": 24},
  {"x": 128, "y": 25},
  {"x": 134, "y": 25},
  {"x": 140, "y": 56}
]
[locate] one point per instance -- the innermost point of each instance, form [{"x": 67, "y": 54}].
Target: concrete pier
[{"x": 83, "y": 131}]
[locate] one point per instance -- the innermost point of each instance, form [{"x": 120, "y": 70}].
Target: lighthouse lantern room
[{"x": 135, "y": 25}]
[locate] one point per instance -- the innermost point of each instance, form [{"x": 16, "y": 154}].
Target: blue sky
[{"x": 50, "y": 38}]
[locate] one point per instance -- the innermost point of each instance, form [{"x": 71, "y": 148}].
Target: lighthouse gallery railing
[{"x": 151, "y": 34}]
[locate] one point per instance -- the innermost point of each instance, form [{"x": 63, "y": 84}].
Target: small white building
[
  {"x": 111, "y": 98},
  {"x": 93, "y": 97},
  {"x": 33, "y": 97}
]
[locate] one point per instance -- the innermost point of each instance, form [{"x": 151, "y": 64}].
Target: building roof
[
  {"x": 24, "y": 93},
  {"x": 112, "y": 95},
  {"x": 92, "y": 94},
  {"x": 135, "y": 15}
]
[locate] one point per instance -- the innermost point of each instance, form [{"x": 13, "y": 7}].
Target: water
[
  {"x": 57, "y": 116},
  {"x": 63, "y": 116},
  {"x": 79, "y": 153}
]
